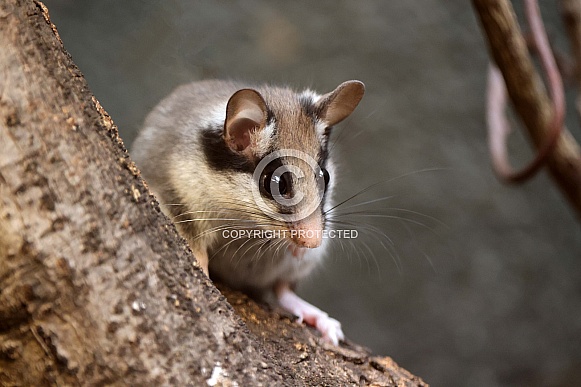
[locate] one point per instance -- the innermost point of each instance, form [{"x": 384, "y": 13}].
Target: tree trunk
[{"x": 96, "y": 286}]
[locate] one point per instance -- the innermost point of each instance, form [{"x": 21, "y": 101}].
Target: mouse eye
[
  {"x": 325, "y": 175},
  {"x": 265, "y": 184},
  {"x": 283, "y": 183},
  {"x": 270, "y": 180}
]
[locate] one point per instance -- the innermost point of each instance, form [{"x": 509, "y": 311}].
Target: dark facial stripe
[
  {"x": 309, "y": 108},
  {"x": 220, "y": 156},
  {"x": 269, "y": 116}
]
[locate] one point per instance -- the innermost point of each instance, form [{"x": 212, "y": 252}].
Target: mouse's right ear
[
  {"x": 245, "y": 113},
  {"x": 337, "y": 105}
]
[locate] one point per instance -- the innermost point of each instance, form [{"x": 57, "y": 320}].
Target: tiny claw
[
  {"x": 310, "y": 314},
  {"x": 330, "y": 329}
]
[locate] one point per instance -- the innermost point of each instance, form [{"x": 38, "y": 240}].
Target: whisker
[
  {"x": 340, "y": 135},
  {"x": 214, "y": 219},
  {"x": 377, "y": 233},
  {"x": 255, "y": 242},
  {"x": 223, "y": 247},
  {"x": 235, "y": 255},
  {"x": 221, "y": 211},
  {"x": 367, "y": 227},
  {"x": 382, "y": 211},
  {"x": 372, "y": 256},
  {"x": 385, "y": 216},
  {"x": 258, "y": 255},
  {"x": 379, "y": 183},
  {"x": 258, "y": 242},
  {"x": 248, "y": 240},
  {"x": 213, "y": 230},
  {"x": 370, "y": 202},
  {"x": 412, "y": 235},
  {"x": 279, "y": 243}
]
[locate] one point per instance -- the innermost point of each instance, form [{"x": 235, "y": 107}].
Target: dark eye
[
  {"x": 265, "y": 184},
  {"x": 325, "y": 175},
  {"x": 282, "y": 181}
]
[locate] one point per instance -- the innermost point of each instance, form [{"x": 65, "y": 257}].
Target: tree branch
[
  {"x": 508, "y": 48},
  {"x": 498, "y": 127}
]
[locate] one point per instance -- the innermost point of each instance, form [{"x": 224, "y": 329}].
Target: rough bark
[
  {"x": 96, "y": 286},
  {"x": 530, "y": 100}
]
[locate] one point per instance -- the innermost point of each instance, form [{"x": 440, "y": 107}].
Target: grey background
[{"x": 482, "y": 286}]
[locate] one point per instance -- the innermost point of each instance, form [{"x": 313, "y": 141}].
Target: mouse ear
[
  {"x": 245, "y": 113},
  {"x": 337, "y": 105}
]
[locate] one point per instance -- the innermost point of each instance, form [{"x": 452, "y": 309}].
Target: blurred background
[{"x": 481, "y": 284}]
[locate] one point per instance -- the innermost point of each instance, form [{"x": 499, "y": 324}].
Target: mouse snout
[{"x": 308, "y": 232}]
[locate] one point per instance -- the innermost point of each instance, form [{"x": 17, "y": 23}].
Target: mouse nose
[{"x": 308, "y": 232}]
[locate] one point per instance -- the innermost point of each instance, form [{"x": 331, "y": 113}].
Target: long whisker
[
  {"x": 412, "y": 235},
  {"x": 340, "y": 135},
  {"x": 367, "y": 227},
  {"x": 214, "y": 230},
  {"x": 259, "y": 253},
  {"x": 379, "y": 183},
  {"x": 382, "y": 212},
  {"x": 215, "y": 219},
  {"x": 372, "y": 256},
  {"x": 378, "y": 234},
  {"x": 369, "y": 202},
  {"x": 224, "y": 247},
  {"x": 236, "y": 210},
  {"x": 238, "y": 249},
  {"x": 279, "y": 243},
  {"x": 255, "y": 242},
  {"x": 385, "y": 216}
]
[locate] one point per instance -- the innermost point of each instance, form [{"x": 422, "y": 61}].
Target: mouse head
[{"x": 284, "y": 135}]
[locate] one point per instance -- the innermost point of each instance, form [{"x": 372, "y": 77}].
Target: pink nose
[{"x": 308, "y": 232}]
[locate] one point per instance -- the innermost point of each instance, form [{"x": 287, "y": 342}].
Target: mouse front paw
[
  {"x": 329, "y": 328},
  {"x": 310, "y": 314}
]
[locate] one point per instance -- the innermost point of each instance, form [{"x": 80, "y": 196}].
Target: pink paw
[
  {"x": 310, "y": 314},
  {"x": 329, "y": 328}
]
